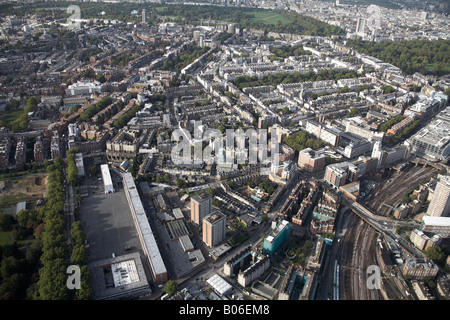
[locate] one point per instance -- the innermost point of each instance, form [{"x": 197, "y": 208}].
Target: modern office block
[
  {"x": 440, "y": 203},
  {"x": 436, "y": 225}
]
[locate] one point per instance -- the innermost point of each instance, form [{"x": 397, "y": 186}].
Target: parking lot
[
  {"x": 109, "y": 227},
  {"x": 232, "y": 203}
]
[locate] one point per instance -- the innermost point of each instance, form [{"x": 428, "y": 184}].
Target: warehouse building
[
  {"x": 145, "y": 233},
  {"x": 436, "y": 225}
]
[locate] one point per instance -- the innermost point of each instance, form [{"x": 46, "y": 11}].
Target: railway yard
[
  {"x": 395, "y": 184},
  {"x": 366, "y": 238},
  {"x": 357, "y": 250}
]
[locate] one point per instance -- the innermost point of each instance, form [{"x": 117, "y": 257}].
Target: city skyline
[{"x": 242, "y": 151}]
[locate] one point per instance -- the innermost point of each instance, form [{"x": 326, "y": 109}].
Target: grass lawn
[
  {"x": 12, "y": 115},
  {"x": 269, "y": 17},
  {"x": 446, "y": 68},
  {"x": 9, "y": 199},
  {"x": 4, "y": 238}
]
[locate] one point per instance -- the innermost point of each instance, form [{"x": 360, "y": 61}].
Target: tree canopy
[
  {"x": 436, "y": 254},
  {"x": 288, "y": 51},
  {"x": 424, "y": 56},
  {"x": 302, "y": 140},
  {"x": 52, "y": 274},
  {"x": 177, "y": 63},
  {"x": 170, "y": 287}
]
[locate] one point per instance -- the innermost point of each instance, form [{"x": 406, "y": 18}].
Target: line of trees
[
  {"x": 185, "y": 58},
  {"x": 406, "y": 132},
  {"x": 296, "y": 77},
  {"x": 21, "y": 122},
  {"x": 72, "y": 171},
  {"x": 79, "y": 257},
  {"x": 123, "y": 59},
  {"x": 288, "y": 51},
  {"x": 385, "y": 126},
  {"x": 79, "y": 254},
  {"x": 52, "y": 274},
  {"x": 127, "y": 116},
  {"x": 87, "y": 114},
  {"x": 52, "y": 283}
]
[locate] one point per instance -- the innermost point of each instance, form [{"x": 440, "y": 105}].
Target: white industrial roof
[
  {"x": 143, "y": 226},
  {"x": 79, "y": 163},
  {"x": 177, "y": 213},
  {"x": 106, "y": 175},
  {"x": 124, "y": 272},
  {"x": 437, "y": 221},
  {"x": 219, "y": 284}
]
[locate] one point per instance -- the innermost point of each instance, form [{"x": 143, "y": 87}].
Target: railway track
[
  {"x": 356, "y": 254},
  {"x": 344, "y": 254},
  {"x": 392, "y": 190}
]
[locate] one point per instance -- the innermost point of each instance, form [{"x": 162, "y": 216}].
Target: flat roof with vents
[
  {"x": 202, "y": 196},
  {"x": 117, "y": 277}
]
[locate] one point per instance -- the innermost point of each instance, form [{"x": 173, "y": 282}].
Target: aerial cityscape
[{"x": 225, "y": 150}]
